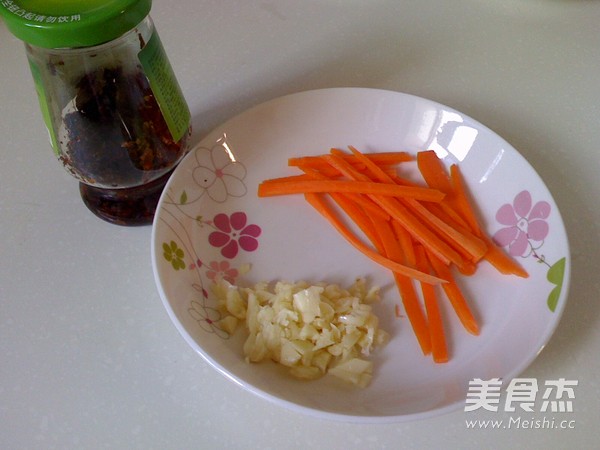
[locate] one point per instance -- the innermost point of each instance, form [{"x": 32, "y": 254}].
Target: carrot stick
[
  {"x": 375, "y": 170},
  {"x": 447, "y": 215},
  {"x": 381, "y": 159},
  {"x": 455, "y": 295},
  {"x": 418, "y": 230},
  {"x": 317, "y": 202},
  {"x": 405, "y": 287},
  {"x": 448, "y": 209},
  {"x": 406, "y": 243},
  {"x": 494, "y": 255},
  {"x": 346, "y": 169},
  {"x": 433, "y": 171},
  {"x": 463, "y": 205},
  {"x": 363, "y": 201},
  {"x": 474, "y": 246},
  {"x": 468, "y": 265},
  {"x": 360, "y": 218},
  {"x": 413, "y": 310},
  {"x": 392, "y": 250},
  {"x": 501, "y": 261},
  {"x": 302, "y": 186},
  {"x": 290, "y": 178},
  {"x": 395, "y": 209},
  {"x": 367, "y": 205},
  {"x": 439, "y": 347}
]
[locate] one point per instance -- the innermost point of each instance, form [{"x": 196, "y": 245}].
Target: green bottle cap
[{"x": 72, "y": 23}]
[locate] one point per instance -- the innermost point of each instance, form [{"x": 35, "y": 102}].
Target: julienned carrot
[
  {"x": 446, "y": 209},
  {"x": 345, "y": 168},
  {"x": 474, "y": 246},
  {"x": 436, "y": 176},
  {"x": 290, "y": 178},
  {"x": 430, "y": 235},
  {"x": 468, "y": 265},
  {"x": 367, "y": 205},
  {"x": 433, "y": 171},
  {"x": 361, "y": 200},
  {"x": 317, "y": 202},
  {"x": 439, "y": 346},
  {"x": 408, "y": 295},
  {"x": 361, "y": 218},
  {"x": 381, "y": 159},
  {"x": 406, "y": 243},
  {"x": 396, "y": 210},
  {"x": 494, "y": 255},
  {"x": 375, "y": 170},
  {"x": 416, "y": 237},
  {"x": 412, "y": 307},
  {"x": 455, "y": 295},
  {"x": 305, "y": 185},
  {"x": 462, "y": 203},
  {"x": 501, "y": 261}
]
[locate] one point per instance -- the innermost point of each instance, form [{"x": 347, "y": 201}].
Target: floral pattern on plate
[
  {"x": 524, "y": 233},
  {"x": 217, "y": 176}
]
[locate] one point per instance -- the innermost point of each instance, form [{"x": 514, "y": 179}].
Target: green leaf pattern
[
  {"x": 555, "y": 275},
  {"x": 183, "y": 198}
]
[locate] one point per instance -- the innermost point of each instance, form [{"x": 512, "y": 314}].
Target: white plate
[{"x": 220, "y": 177}]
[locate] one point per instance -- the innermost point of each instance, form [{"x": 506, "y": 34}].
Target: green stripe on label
[
  {"x": 45, "y": 108},
  {"x": 165, "y": 87}
]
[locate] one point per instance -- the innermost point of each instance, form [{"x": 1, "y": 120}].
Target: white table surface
[{"x": 89, "y": 357}]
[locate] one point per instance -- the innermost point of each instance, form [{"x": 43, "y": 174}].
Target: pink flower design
[
  {"x": 233, "y": 234},
  {"x": 221, "y": 270},
  {"x": 525, "y": 225}
]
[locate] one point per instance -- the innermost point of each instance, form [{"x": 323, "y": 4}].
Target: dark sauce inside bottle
[
  {"x": 125, "y": 206},
  {"x": 120, "y": 145}
]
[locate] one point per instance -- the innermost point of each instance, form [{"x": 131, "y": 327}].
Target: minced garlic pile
[{"x": 312, "y": 329}]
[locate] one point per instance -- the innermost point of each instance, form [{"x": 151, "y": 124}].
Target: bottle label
[
  {"x": 165, "y": 87},
  {"x": 44, "y": 107}
]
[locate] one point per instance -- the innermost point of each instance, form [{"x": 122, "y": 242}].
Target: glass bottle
[{"x": 116, "y": 116}]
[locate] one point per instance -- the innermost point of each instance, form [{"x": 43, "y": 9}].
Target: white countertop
[{"x": 88, "y": 356}]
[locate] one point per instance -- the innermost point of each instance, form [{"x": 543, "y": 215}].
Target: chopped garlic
[
  {"x": 312, "y": 330},
  {"x": 308, "y": 302},
  {"x": 228, "y": 324},
  {"x": 357, "y": 371}
]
